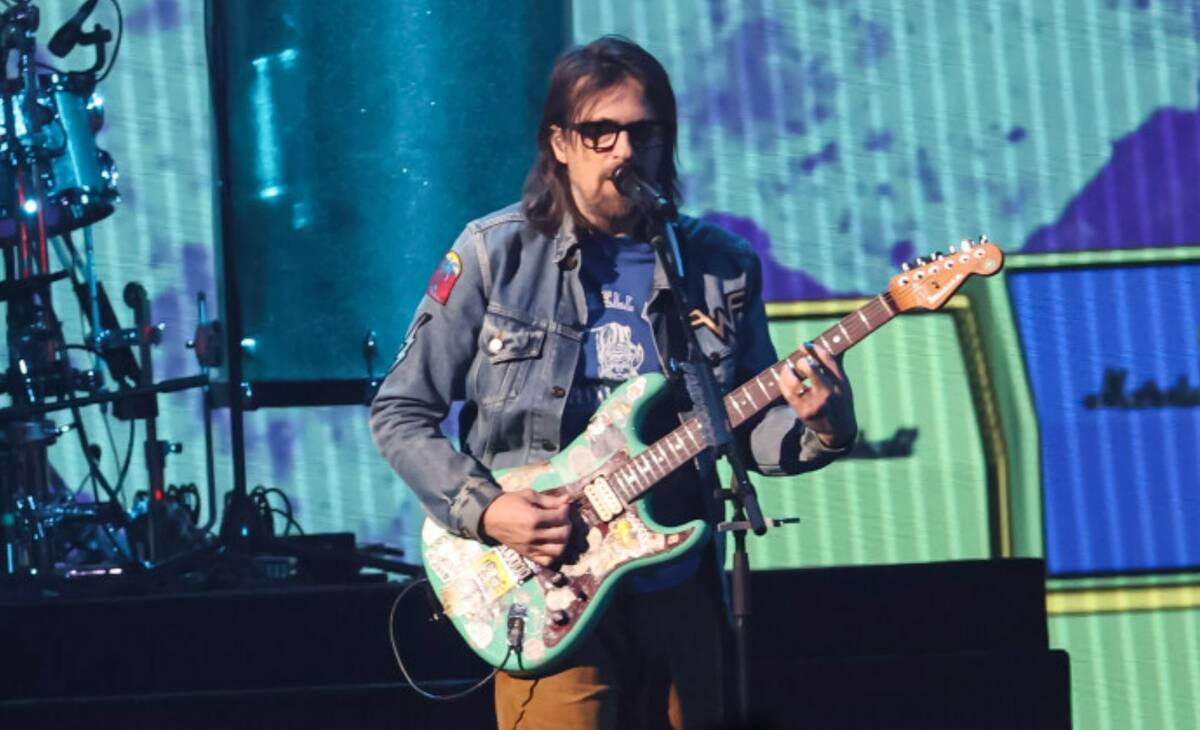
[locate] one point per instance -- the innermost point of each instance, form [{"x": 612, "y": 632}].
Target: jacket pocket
[{"x": 509, "y": 344}]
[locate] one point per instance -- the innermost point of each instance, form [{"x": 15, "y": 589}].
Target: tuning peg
[
  {"x": 904, "y": 266},
  {"x": 938, "y": 255},
  {"x": 920, "y": 261},
  {"x": 983, "y": 238},
  {"x": 953, "y": 248},
  {"x": 965, "y": 243}
]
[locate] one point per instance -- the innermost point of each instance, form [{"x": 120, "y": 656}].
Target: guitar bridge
[{"x": 603, "y": 499}]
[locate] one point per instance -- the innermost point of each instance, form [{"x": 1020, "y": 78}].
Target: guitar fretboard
[{"x": 687, "y": 441}]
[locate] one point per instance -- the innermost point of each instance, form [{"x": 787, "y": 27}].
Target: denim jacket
[{"x": 506, "y": 342}]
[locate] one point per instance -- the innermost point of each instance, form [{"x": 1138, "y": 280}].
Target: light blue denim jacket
[{"x": 507, "y": 341}]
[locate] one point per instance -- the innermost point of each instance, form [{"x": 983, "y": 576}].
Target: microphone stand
[{"x": 710, "y": 411}]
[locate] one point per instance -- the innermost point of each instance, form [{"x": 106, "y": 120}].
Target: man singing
[{"x": 535, "y": 315}]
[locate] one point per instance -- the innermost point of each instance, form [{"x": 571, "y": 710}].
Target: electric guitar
[{"x": 525, "y": 618}]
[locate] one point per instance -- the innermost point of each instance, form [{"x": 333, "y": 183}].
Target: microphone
[
  {"x": 643, "y": 193},
  {"x": 67, "y": 37}
]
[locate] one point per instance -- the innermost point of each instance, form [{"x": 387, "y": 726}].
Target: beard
[{"x": 613, "y": 212}]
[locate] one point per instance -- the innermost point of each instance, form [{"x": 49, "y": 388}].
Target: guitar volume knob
[{"x": 560, "y": 617}]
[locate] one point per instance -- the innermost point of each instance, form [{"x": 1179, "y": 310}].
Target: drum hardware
[{"x": 54, "y": 180}]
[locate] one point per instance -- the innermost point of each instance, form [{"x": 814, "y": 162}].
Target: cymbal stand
[{"x": 33, "y": 349}]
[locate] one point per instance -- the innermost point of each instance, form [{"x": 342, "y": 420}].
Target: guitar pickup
[{"x": 603, "y": 499}]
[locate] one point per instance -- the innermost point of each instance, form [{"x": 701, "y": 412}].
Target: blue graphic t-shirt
[{"x": 617, "y": 276}]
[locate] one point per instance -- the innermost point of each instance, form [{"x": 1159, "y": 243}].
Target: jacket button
[
  {"x": 715, "y": 358},
  {"x": 558, "y": 391}
]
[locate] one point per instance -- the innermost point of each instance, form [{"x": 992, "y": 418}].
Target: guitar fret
[
  {"x": 692, "y": 436},
  {"x": 763, "y": 388},
  {"x": 885, "y": 304},
  {"x": 844, "y": 332},
  {"x": 825, "y": 344},
  {"x": 643, "y": 466},
  {"x": 749, "y": 392},
  {"x": 654, "y": 462},
  {"x": 864, "y": 319},
  {"x": 621, "y": 482},
  {"x": 672, "y": 454},
  {"x": 736, "y": 406},
  {"x": 774, "y": 374}
]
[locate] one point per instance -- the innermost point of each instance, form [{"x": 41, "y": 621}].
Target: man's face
[{"x": 598, "y": 142}]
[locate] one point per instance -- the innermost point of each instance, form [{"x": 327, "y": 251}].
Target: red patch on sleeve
[{"x": 444, "y": 278}]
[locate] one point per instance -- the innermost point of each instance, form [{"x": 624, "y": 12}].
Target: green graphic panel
[
  {"x": 1133, "y": 670},
  {"x": 910, "y": 387}
]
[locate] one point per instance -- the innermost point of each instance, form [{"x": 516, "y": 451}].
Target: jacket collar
[{"x": 566, "y": 240}]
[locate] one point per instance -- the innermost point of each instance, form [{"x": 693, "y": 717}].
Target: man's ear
[{"x": 558, "y": 143}]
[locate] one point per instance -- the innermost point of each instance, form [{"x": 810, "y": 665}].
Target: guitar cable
[{"x": 400, "y": 662}]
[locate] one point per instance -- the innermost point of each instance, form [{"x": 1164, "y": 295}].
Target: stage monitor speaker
[{"x": 355, "y": 139}]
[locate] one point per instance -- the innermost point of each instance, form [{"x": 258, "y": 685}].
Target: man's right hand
[{"x": 536, "y": 525}]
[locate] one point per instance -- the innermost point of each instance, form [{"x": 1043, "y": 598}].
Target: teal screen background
[{"x": 840, "y": 138}]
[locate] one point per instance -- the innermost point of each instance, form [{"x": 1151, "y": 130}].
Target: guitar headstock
[{"x": 928, "y": 283}]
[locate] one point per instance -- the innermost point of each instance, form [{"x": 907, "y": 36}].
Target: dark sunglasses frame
[{"x": 642, "y": 134}]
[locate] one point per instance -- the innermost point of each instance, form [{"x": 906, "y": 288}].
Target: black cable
[
  {"x": 400, "y": 662},
  {"x": 112, "y": 444},
  {"x": 116, "y": 46},
  {"x": 290, "y": 522},
  {"x": 263, "y": 493},
  {"x": 85, "y": 348}
]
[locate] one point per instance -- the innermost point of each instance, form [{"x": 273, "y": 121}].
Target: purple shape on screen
[
  {"x": 779, "y": 282},
  {"x": 927, "y": 176},
  {"x": 170, "y": 357},
  {"x": 767, "y": 80},
  {"x": 156, "y": 15},
  {"x": 162, "y": 250},
  {"x": 902, "y": 251},
  {"x": 1147, "y": 195},
  {"x": 827, "y": 156},
  {"x": 880, "y": 141},
  {"x": 341, "y": 418},
  {"x": 198, "y": 276},
  {"x": 874, "y": 42},
  {"x": 1016, "y": 134},
  {"x": 716, "y": 13},
  {"x": 281, "y": 440}
]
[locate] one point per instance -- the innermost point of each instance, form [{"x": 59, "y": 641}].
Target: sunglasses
[{"x": 602, "y": 135}]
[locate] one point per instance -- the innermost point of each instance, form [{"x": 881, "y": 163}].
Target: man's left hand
[{"x": 817, "y": 390}]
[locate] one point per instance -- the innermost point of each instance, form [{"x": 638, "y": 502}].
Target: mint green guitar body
[{"x": 486, "y": 591}]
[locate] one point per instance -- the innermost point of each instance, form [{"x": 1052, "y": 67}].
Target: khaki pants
[{"x": 653, "y": 661}]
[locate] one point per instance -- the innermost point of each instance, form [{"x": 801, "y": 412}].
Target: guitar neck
[{"x": 687, "y": 441}]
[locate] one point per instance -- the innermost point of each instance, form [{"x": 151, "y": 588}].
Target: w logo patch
[{"x": 720, "y": 323}]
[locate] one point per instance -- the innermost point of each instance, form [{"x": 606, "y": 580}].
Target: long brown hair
[{"x": 578, "y": 75}]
